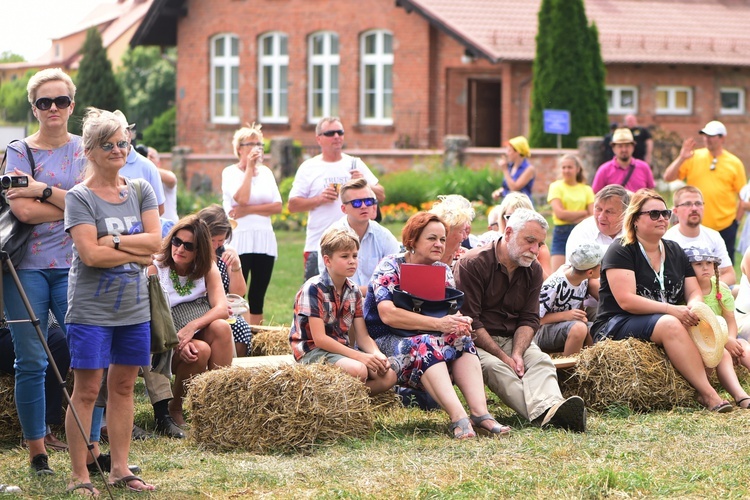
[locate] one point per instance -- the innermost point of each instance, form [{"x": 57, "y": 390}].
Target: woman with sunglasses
[
  {"x": 189, "y": 275},
  {"x": 251, "y": 196},
  {"x": 114, "y": 224},
  {"x": 58, "y": 162},
  {"x": 645, "y": 280}
]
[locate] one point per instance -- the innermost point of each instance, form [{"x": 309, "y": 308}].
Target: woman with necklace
[
  {"x": 57, "y": 160},
  {"x": 645, "y": 283},
  {"x": 188, "y": 273},
  {"x": 441, "y": 349},
  {"x": 114, "y": 223}
]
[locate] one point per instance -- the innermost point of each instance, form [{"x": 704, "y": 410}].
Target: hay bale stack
[
  {"x": 628, "y": 372},
  {"x": 271, "y": 340},
  {"x": 266, "y": 408},
  {"x": 10, "y": 426}
]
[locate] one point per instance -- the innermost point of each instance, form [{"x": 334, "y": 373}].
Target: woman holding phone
[{"x": 251, "y": 196}]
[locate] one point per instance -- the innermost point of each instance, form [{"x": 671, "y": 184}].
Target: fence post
[
  {"x": 283, "y": 159},
  {"x": 179, "y": 162},
  {"x": 590, "y": 152},
  {"x": 455, "y": 150}
]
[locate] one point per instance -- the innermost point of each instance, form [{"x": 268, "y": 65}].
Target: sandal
[
  {"x": 124, "y": 482},
  {"x": 496, "y": 431},
  {"x": 723, "y": 407},
  {"x": 739, "y": 403},
  {"x": 73, "y": 489},
  {"x": 464, "y": 426}
]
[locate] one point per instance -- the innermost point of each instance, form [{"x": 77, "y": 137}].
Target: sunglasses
[
  {"x": 358, "y": 203},
  {"x": 331, "y": 133},
  {"x": 655, "y": 214},
  {"x": 108, "y": 146},
  {"x": 177, "y": 242},
  {"x": 45, "y": 103}
]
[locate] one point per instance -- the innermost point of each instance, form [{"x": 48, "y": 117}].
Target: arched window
[
  {"x": 323, "y": 91},
  {"x": 273, "y": 67},
  {"x": 376, "y": 94},
  {"x": 225, "y": 79}
]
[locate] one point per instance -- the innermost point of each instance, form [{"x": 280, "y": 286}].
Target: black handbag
[
  {"x": 451, "y": 304},
  {"x": 14, "y": 234}
]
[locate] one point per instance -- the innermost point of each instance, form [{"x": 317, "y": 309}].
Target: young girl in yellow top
[
  {"x": 572, "y": 200},
  {"x": 719, "y": 298}
]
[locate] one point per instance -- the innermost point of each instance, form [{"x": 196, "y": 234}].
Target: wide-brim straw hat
[{"x": 710, "y": 335}]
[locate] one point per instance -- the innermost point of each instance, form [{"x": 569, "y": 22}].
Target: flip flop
[
  {"x": 723, "y": 407},
  {"x": 124, "y": 482},
  {"x": 739, "y": 403},
  {"x": 70, "y": 490}
]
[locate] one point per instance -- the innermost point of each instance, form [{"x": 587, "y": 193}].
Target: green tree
[
  {"x": 568, "y": 73},
  {"x": 14, "y": 103},
  {"x": 147, "y": 77},
  {"x": 161, "y": 134},
  {"x": 96, "y": 82},
  {"x": 10, "y": 57}
]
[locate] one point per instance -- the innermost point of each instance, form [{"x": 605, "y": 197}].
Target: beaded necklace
[{"x": 182, "y": 290}]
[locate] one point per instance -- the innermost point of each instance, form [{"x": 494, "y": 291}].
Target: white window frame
[
  {"x": 379, "y": 60},
  {"x": 740, "y": 110},
  {"x": 227, "y": 63},
  {"x": 329, "y": 63},
  {"x": 671, "y": 91},
  {"x": 279, "y": 94},
  {"x": 616, "y": 108}
]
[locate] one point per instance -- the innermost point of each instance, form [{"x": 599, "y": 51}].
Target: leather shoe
[
  {"x": 569, "y": 414},
  {"x": 140, "y": 434},
  {"x": 166, "y": 426}
]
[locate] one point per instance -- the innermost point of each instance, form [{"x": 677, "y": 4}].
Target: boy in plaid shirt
[{"x": 328, "y": 308}]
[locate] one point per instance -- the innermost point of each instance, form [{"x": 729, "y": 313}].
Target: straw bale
[
  {"x": 271, "y": 341},
  {"x": 628, "y": 372},
  {"x": 280, "y": 409},
  {"x": 10, "y": 426},
  {"x": 385, "y": 401}
]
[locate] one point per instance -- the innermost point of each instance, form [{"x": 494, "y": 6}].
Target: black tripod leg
[{"x": 35, "y": 322}]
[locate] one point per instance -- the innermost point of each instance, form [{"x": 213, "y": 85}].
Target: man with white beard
[{"x": 501, "y": 282}]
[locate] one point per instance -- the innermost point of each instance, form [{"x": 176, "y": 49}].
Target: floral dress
[{"x": 409, "y": 356}]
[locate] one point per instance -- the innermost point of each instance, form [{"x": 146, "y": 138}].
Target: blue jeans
[{"x": 46, "y": 289}]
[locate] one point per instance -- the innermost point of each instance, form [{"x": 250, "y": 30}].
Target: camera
[{"x": 9, "y": 181}]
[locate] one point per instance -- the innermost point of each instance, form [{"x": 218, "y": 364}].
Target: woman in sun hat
[
  {"x": 518, "y": 173},
  {"x": 719, "y": 299},
  {"x": 644, "y": 282}
]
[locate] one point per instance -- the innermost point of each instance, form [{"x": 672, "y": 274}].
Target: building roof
[{"x": 630, "y": 31}]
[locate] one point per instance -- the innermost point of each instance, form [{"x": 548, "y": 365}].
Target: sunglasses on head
[
  {"x": 655, "y": 214},
  {"x": 358, "y": 203},
  {"x": 45, "y": 103},
  {"x": 331, "y": 133},
  {"x": 108, "y": 146},
  {"x": 188, "y": 245}
]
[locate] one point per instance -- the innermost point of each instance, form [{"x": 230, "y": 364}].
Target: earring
[{"x": 412, "y": 250}]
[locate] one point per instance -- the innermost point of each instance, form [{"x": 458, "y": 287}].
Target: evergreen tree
[
  {"x": 566, "y": 73},
  {"x": 599, "y": 115},
  {"x": 96, "y": 81}
]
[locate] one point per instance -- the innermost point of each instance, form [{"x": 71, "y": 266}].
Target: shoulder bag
[
  {"x": 14, "y": 234},
  {"x": 451, "y": 304}
]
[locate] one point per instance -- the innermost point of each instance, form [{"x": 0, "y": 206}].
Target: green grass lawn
[{"x": 684, "y": 453}]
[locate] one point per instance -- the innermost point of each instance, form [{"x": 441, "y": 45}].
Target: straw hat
[
  {"x": 710, "y": 335},
  {"x": 232, "y": 222},
  {"x": 622, "y": 136},
  {"x": 521, "y": 145}
]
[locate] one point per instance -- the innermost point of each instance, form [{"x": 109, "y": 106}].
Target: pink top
[{"x": 610, "y": 172}]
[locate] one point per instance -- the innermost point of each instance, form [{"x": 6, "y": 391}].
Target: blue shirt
[{"x": 138, "y": 166}]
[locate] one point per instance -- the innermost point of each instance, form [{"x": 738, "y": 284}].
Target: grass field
[{"x": 684, "y": 453}]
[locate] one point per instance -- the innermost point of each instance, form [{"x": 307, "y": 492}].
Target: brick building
[{"x": 405, "y": 73}]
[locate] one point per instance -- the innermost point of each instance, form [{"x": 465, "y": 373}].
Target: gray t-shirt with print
[{"x": 107, "y": 296}]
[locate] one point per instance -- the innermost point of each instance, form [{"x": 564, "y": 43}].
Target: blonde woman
[
  {"x": 457, "y": 213},
  {"x": 251, "y": 196}
]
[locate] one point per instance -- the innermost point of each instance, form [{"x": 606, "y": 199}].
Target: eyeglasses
[
  {"x": 358, "y": 203},
  {"x": 331, "y": 133},
  {"x": 495, "y": 225},
  {"x": 713, "y": 164},
  {"x": 254, "y": 144},
  {"x": 655, "y": 214},
  {"x": 696, "y": 204},
  {"x": 108, "y": 146},
  {"x": 45, "y": 103},
  {"x": 177, "y": 242}
]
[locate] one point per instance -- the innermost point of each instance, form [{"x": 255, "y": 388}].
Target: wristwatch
[
  {"x": 45, "y": 194},
  {"x": 116, "y": 241}
]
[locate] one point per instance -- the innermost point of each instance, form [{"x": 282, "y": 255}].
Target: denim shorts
[
  {"x": 94, "y": 347},
  {"x": 623, "y": 326},
  {"x": 560, "y": 238}
]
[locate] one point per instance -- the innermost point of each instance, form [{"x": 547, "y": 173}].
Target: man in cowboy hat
[
  {"x": 623, "y": 169},
  {"x": 718, "y": 174}
]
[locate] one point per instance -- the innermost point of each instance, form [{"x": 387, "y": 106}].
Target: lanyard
[{"x": 660, "y": 274}]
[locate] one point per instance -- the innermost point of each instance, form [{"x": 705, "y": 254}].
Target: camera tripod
[{"x": 6, "y": 265}]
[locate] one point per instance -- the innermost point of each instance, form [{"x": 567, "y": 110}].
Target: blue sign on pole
[{"x": 556, "y": 121}]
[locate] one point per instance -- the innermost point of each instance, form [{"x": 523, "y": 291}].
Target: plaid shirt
[{"x": 318, "y": 298}]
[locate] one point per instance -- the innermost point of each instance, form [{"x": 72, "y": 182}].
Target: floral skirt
[{"x": 410, "y": 357}]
